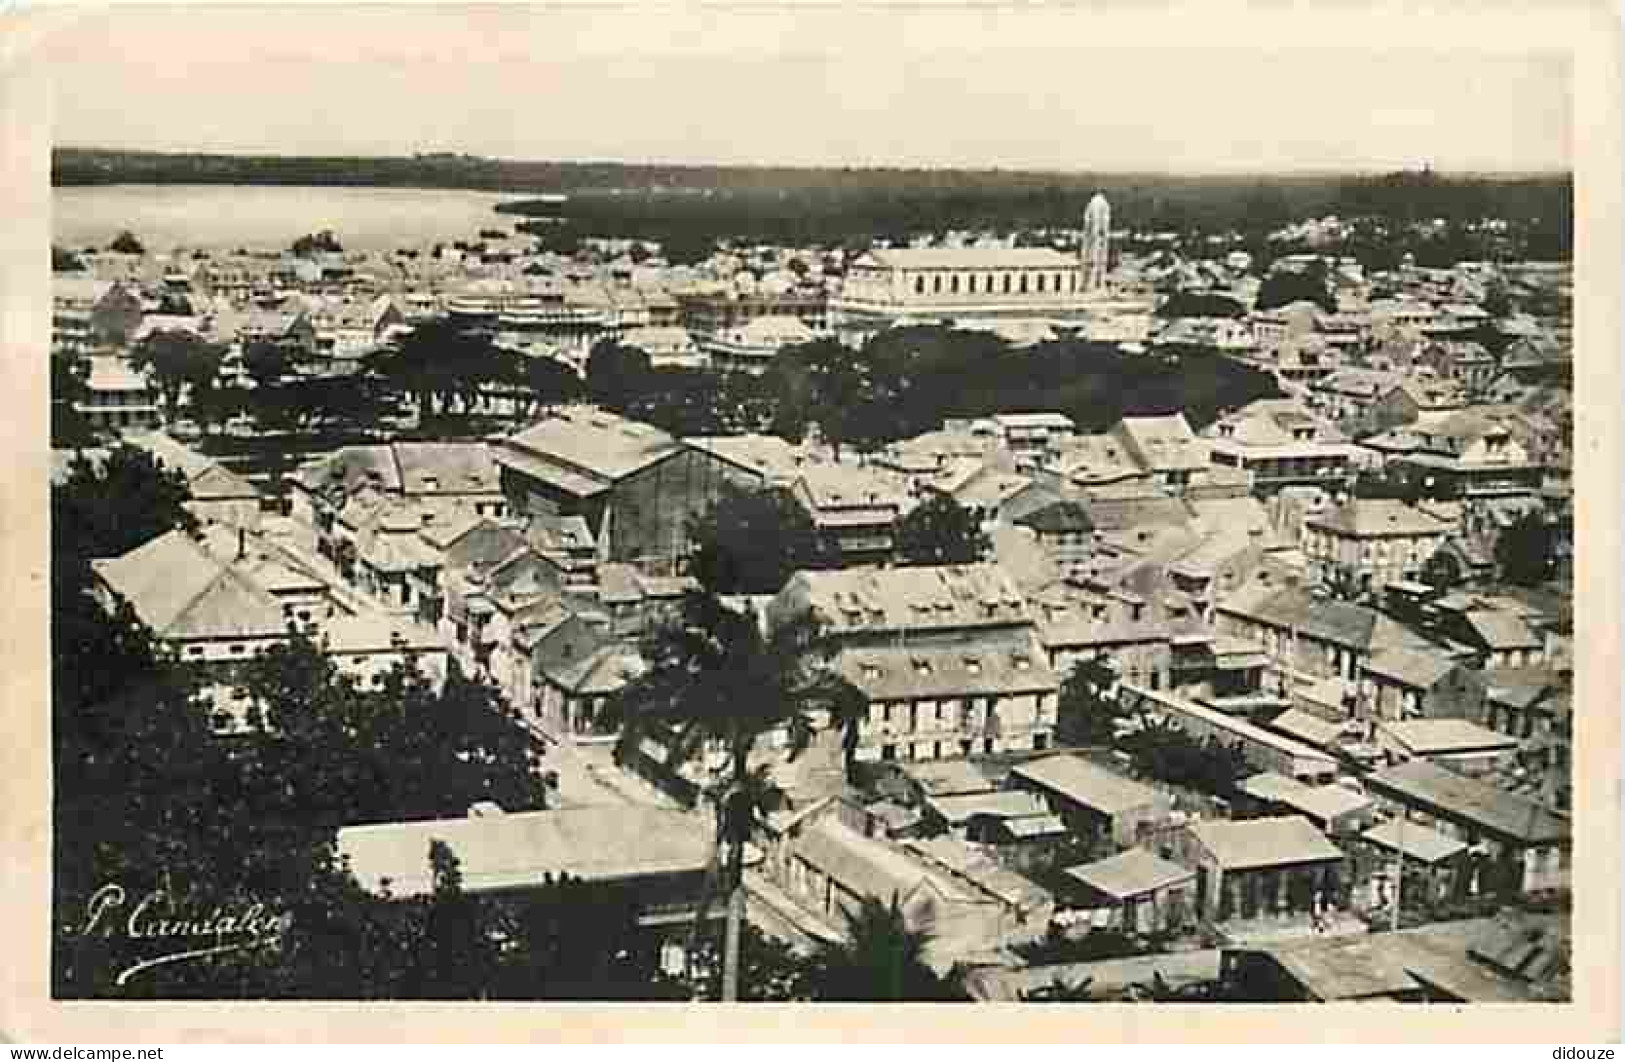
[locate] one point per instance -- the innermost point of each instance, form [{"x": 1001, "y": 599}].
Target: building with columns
[{"x": 938, "y": 285}]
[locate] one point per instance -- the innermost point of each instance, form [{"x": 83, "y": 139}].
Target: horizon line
[{"x": 1367, "y": 169}]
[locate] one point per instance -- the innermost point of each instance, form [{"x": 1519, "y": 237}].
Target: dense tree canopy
[
  {"x": 444, "y": 365},
  {"x": 1200, "y": 304},
  {"x": 1526, "y": 551},
  {"x": 882, "y": 961},
  {"x": 70, "y": 430},
  {"x": 616, "y": 374},
  {"x": 1164, "y": 751},
  {"x": 267, "y": 361},
  {"x": 940, "y": 531},
  {"x": 126, "y": 243},
  {"x": 149, "y": 799},
  {"x": 1284, "y": 287},
  {"x": 178, "y": 360},
  {"x": 1086, "y": 713},
  {"x": 751, "y": 542}
]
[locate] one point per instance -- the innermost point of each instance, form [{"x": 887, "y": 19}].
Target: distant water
[{"x": 226, "y": 217}]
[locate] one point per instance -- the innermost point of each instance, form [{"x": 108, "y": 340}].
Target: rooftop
[
  {"x": 519, "y": 850},
  {"x": 1084, "y": 783},
  {"x": 969, "y": 258},
  {"x": 181, "y": 591},
  {"x": 1494, "y": 810},
  {"x": 1130, "y": 874},
  {"x": 1440, "y": 737},
  {"x": 1441, "y": 955},
  {"x": 1414, "y": 840},
  {"x": 1419, "y": 668},
  {"x": 1375, "y": 517},
  {"x": 601, "y": 445},
  {"x": 1266, "y": 842},
  {"x": 917, "y": 598}
]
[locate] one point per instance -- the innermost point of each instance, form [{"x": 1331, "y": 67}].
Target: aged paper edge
[{"x": 1587, "y": 32}]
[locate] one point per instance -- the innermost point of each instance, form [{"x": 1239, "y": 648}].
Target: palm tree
[
  {"x": 881, "y": 961},
  {"x": 717, "y": 682}
]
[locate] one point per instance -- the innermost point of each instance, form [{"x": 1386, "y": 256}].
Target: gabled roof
[
  {"x": 830, "y": 486},
  {"x": 446, "y": 468},
  {"x": 1418, "y": 668},
  {"x": 913, "y": 598},
  {"x": 767, "y": 456},
  {"x": 1499, "y": 629},
  {"x": 960, "y": 808},
  {"x": 1163, "y": 444},
  {"x": 1377, "y": 517},
  {"x": 964, "y": 862},
  {"x": 1327, "y": 619},
  {"x": 1492, "y": 809},
  {"x": 595, "y": 447},
  {"x": 948, "y": 777},
  {"x": 1414, "y": 840},
  {"x": 1126, "y": 875},
  {"x": 1267, "y": 842},
  {"x": 181, "y": 591},
  {"x": 1082, "y": 782},
  {"x": 997, "y": 664}
]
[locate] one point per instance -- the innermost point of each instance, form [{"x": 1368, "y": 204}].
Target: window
[
  {"x": 1024, "y": 283},
  {"x": 936, "y": 285},
  {"x": 1041, "y": 281},
  {"x": 919, "y": 285},
  {"x": 194, "y": 650},
  {"x": 237, "y": 649},
  {"x": 953, "y": 284},
  {"x": 1006, "y": 291}
]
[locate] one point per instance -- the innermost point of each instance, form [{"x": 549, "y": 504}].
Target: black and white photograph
[{"x": 683, "y": 504}]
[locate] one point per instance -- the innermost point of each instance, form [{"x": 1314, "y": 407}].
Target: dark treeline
[
  {"x": 908, "y": 381},
  {"x": 828, "y": 205},
  {"x": 894, "y": 205}
]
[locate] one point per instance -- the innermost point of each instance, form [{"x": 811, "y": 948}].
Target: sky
[{"x": 1034, "y": 86}]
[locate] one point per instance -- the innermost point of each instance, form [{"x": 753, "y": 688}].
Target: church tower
[{"x": 1095, "y": 251}]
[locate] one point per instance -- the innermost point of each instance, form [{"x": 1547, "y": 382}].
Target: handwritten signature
[{"x": 110, "y": 914}]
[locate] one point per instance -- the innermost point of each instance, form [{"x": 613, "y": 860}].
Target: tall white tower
[{"x": 1095, "y": 251}]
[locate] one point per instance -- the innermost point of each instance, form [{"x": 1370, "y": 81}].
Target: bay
[{"x": 222, "y": 218}]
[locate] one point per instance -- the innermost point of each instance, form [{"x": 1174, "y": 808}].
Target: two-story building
[
  {"x": 1522, "y": 847},
  {"x": 1280, "y": 443},
  {"x": 856, "y": 508},
  {"x": 1365, "y": 544},
  {"x": 948, "y": 658}
]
